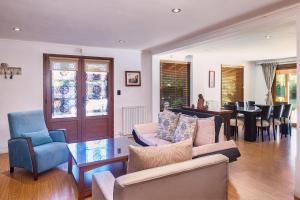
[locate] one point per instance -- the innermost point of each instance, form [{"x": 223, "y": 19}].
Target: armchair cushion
[
  {"x": 58, "y": 135},
  {"x": 38, "y": 137},
  {"x": 50, "y": 155}
]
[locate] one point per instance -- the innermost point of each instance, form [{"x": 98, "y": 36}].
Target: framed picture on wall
[
  {"x": 211, "y": 79},
  {"x": 132, "y": 78}
]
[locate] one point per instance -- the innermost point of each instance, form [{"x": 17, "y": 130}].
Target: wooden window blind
[
  {"x": 174, "y": 84},
  {"x": 232, "y": 89}
]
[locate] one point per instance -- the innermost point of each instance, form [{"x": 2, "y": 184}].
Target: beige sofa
[
  {"x": 197, "y": 179},
  {"x": 144, "y": 134}
]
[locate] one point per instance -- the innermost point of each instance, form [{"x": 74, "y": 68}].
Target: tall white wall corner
[
  {"x": 297, "y": 164},
  {"x": 155, "y": 87}
]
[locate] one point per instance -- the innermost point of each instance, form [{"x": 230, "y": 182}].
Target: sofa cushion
[
  {"x": 185, "y": 129},
  {"x": 141, "y": 158},
  {"x": 38, "y": 137},
  {"x": 50, "y": 155},
  {"x": 152, "y": 140},
  {"x": 167, "y": 122},
  {"x": 205, "y": 131}
]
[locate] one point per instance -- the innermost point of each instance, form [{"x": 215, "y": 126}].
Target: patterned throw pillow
[
  {"x": 186, "y": 128},
  {"x": 167, "y": 122}
]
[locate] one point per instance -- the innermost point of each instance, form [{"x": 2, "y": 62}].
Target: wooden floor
[{"x": 264, "y": 172}]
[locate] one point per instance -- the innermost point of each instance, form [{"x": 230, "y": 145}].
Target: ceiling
[
  {"x": 140, "y": 23},
  {"x": 268, "y": 42}
]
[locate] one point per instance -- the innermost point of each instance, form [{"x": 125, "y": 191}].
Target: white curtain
[{"x": 269, "y": 70}]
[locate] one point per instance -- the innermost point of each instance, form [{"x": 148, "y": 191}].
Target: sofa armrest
[
  {"x": 21, "y": 153},
  {"x": 227, "y": 148},
  {"x": 103, "y": 186},
  {"x": 58, "y": 135},
  {"x": 148, "y": 128}
]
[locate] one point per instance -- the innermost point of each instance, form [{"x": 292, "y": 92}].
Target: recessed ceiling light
[
  {"x": 17, "y": 29},
  {"x": 176, "y": 10},
  {"x": 121, "y": 41},
  {"x": 268, "y": 37}
]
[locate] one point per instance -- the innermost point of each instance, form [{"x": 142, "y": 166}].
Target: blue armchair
[{"x": 32, "y": 146}]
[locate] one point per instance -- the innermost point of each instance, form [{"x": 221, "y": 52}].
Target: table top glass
[{"x": 100, "y": 150}]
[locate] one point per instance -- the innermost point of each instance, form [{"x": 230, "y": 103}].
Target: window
[
  {"x": 232, "y": 83},
  {"x": 174, "y": 84}
]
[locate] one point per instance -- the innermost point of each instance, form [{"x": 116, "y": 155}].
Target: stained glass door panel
[
  {"x": 96, "y": 99},
  {"x": 64, "y": 93}
]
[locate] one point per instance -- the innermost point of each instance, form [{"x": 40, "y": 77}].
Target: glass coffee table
[{"x": 96, "y": 156}]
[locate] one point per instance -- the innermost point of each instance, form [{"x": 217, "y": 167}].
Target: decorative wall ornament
[{"x": 9, "y": 71}]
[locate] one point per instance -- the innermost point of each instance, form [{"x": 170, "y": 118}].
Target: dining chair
[
  {"x": 234, "y": 121},
  {"x": 240, "y": 104},
  {"x": 286, "y": 118},
  {"x": 276, "y": 118},
  {"x": 263, "y": 121},
  {"x": 251, "y": 103}
]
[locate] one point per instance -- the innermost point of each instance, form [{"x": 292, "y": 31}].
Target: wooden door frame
[{"x": 47, "y": 94}]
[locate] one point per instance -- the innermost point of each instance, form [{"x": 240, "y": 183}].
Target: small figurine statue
[{"x": 201, "y": 101}]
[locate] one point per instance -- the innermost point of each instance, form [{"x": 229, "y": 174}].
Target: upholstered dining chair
[
  {"x": 263, "y": 121},
  {"x": 32, "y": 146},
  {"x": 251, "y": 103},
  {"x": 276, "y": 118},
  {"x": 286, "y": 118},
  {"x": 235, "y": 122}
]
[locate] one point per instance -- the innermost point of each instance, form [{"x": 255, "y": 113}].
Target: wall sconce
[{"x": 9, "y": 71}]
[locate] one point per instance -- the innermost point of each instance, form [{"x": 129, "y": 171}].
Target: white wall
[
  {"x": 25, "y": 92},
  {"x": 201, "y": 65}
]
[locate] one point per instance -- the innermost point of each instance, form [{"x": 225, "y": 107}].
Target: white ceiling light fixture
[
  {"x": 121, "y": 41},
  {"x": 17, "y": 29},
  {"x": 268, "y": 37},
  {"x": 176, "y": 10}
]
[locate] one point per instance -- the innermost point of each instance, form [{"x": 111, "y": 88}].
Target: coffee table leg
[
  {"x": 70, "y": 163},
  {"x": 81, "y": 184}
]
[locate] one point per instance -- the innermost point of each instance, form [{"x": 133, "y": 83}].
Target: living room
[{"x": 117, "y": 65}]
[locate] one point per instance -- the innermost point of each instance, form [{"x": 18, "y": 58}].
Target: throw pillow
[
  {"x": 205, "y": 131},
  {"x": 39, "y": 137},
  {"x": 141, "y": 158},
  {"x": 185, "y": 129},
  {"x": 167, "y": 122}
]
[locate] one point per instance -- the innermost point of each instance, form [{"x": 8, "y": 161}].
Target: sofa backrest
[
  {"x": 198, "y": 179},
  {"x": 218, "y": 119},
  {"x": 26, "y": 122}
]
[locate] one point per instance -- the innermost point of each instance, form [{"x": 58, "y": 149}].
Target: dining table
[{"x": 250, "y": 113}]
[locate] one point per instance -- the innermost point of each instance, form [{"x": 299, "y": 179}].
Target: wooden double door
[{"x": 78, "y": 96}]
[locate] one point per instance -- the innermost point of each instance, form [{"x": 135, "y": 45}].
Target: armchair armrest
[
  {"x": 58, "y": 135},
  {"x": 21, "y": 153},
  {"x": 103, "y": 186}
]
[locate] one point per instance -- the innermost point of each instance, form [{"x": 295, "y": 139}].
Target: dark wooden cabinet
[{"x": 78, "y": 96}]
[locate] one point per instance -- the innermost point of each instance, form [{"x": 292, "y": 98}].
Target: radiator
[{"x": 132, "y": 115}]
